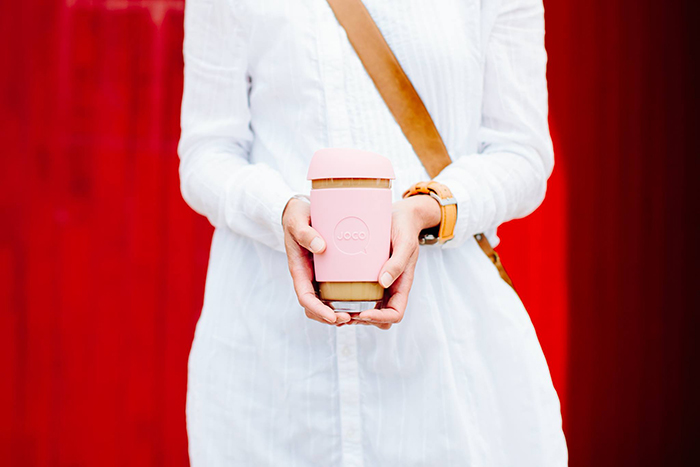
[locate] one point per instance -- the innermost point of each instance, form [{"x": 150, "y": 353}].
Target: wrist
[
  {"x": 426, "y": 210},
  {"x": 301, "y": 198},
  {"x": 435, "y": 229}
]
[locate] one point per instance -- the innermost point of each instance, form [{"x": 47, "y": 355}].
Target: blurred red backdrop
[{"x": 102, "y": 264}]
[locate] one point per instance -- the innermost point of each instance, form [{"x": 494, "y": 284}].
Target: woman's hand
[
  {"x": 409, "y": 216},
  {"x": 300, "y": 240}
]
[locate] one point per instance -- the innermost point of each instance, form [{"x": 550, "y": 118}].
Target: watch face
[
  {"x": 427, "y": 239},
  {"x": 429, "y": 236}
]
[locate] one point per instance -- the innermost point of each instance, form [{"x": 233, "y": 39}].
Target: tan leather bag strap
[{"x": 400, "y": 96}]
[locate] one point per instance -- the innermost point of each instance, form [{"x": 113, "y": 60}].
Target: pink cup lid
[{"x": 349, "y": 163}]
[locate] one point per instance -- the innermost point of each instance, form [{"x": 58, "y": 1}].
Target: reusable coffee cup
[{"x": 351, "y": 209}]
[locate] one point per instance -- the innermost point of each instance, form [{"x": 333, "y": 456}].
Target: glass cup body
[{"x": 353, "y": 215}]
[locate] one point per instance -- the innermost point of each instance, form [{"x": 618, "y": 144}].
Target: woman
[{"x": 462, "y": 379}]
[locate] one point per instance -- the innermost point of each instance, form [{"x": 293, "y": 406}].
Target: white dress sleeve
[
  {"x": 217, "y": 178},
  {"x": 507, "y": 178}
]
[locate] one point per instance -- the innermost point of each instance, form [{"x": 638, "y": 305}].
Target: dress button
[
  {"x": 346, "y": 351},
  {"x": 351, "y": 433}
]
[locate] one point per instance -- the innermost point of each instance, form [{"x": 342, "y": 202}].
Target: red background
[{"x": 102, "y": 264}]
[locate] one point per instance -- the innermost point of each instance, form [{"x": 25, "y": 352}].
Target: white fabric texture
[{"x": 462, "y": 379}]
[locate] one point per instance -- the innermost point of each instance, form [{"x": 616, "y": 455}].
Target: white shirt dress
[{"x": 461, "y": 380}]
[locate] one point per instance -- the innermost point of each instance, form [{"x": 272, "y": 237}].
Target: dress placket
[
  {"x": 349, "y": 392},
  {"x": 330, "y": 47}
]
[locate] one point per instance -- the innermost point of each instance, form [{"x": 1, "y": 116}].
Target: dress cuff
[{"x": 280, "y": 198}]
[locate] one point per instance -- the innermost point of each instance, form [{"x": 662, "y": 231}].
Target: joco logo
[{"x": 351, "y": 235}]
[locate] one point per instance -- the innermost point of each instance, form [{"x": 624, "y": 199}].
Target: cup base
[{"x": 352, "y": 306}]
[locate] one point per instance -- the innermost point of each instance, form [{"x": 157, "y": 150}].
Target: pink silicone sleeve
[{"x": 356, "y": 225}]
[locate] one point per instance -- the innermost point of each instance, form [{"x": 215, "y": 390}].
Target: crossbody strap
[
  {"x": 392, "y": 83},
  {"x": 400, "y": 96}
]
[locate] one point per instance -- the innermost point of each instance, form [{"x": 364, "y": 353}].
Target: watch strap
[{"x": 448, "y": 210}]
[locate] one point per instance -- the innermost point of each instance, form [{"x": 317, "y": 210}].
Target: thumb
[
  {"x": 309, "y": 238},
  {"x": 395, "y": 265}
]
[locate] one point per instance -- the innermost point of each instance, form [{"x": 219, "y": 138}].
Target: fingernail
[
  {"x": 316, "y": 244},
  {"x": 385, "y": 280},
  {"x": 329, "y": 320}
]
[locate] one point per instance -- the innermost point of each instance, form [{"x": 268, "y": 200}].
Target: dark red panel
[
  {"x": 101, "y": 262},
  {"x": 624, "y": 106}
]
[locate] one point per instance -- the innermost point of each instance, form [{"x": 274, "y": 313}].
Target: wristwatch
[{"x": 448, "y": 210}]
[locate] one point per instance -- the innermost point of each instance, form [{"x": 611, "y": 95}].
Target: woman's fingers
[
  {"x": 397, "y": 272},
  {"x": 306, "y": 236},
  {"x": 354, "y": 320},
  {"x": 301, "y": 231},
  {"x": 316, "y": 310},
  {"x": 300, "y": 238},
  {"x": 301, "y": 270},
  {"x": 314, "y": 316},
  {"x": 402, "y": 250},
  {"x": 396, "y": 305},
  {"x": 397, "y": 275}
]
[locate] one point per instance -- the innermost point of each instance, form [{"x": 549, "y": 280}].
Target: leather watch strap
[
  {"x": 399, "y": 95},
  {"x": 448, "y": 210}
]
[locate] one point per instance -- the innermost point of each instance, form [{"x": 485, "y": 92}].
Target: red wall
[
  {"x": 102, "y": 264},
  {"x": 624, "y": 107}
]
